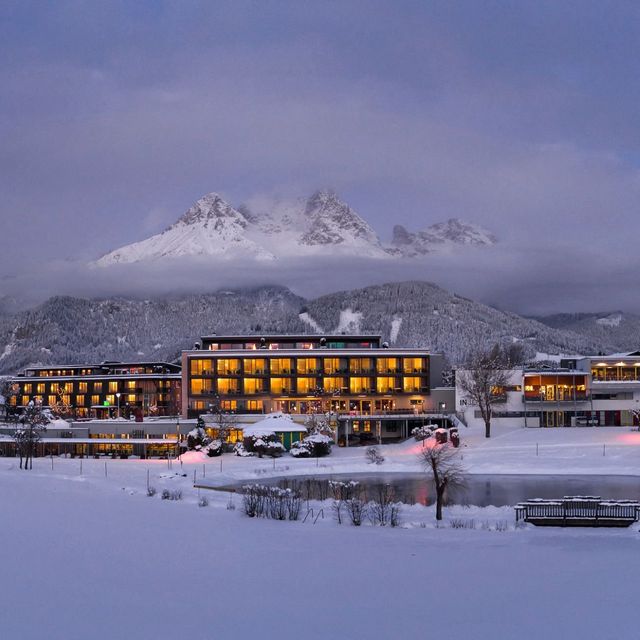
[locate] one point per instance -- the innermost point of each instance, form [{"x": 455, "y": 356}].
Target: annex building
[
  {"x": 105, "y": 390},
  {"x": 584, "y": 391}
]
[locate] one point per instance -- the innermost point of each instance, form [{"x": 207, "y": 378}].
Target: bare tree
[
  {"x": 223, "y": 423},
  {"x": 636, "y": 415},
  {"x": 33, "y": 423},
  {"x": 442, "y": 462},
  {"x": 319, "y": 423},
  {"x": 483, "y": 380}
]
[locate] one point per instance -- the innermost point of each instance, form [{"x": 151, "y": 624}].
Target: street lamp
[{"x": 118, "y": 397}]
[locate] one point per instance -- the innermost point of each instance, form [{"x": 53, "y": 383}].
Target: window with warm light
[
  {"x": 280, "y": 366},
  {"x": 230, "y": 366},
  {"x": 200, "y": 386},
  {"x": 410, "y": 384},
  {"x": 359, "y": 385},
  {"x": 227, "y": 385},
  {"x": 40, "y": 388},
  {"x": 131, "y": 398},
  {"x": 331, "y": 385},
  {"x": 253, "y": 386},
  {"x": 95, "y": 400},
  {"x": 385, "y": 384},
  {"x": 279, "y": 385},
  {"x": 360, "y": 365},
  {"x": 305, "y": 385},
  {"x": 307, "y": 365},
  {"x": 413, "y": 365},
  {"x": 333, "y": 365},
  {"x": 83, "y": 387},
  {"x": 113, "y": 386},
  {"x": 387, "y": 365},
  {"x": 80, "y": 400},
  {"x": 255, "y": 366},
  {"x": 200, "y": 366}
]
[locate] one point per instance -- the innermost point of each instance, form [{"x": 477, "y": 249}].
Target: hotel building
[
  {"x": 368, "y": 386},
  {"x": 103, "y": 390}
]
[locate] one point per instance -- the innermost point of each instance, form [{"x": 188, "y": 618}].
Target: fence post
[
  {"x": 536, "y": 448},
  {"x": 105, "y": 469}
]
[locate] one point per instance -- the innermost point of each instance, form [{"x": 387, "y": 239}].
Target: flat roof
[
  {"x": 105, "y": 364},
  {"x": 364, "y": 353},
  {"x": 294, "y": 336}
]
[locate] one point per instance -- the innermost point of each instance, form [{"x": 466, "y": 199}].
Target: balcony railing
[{"x": 578, "y": 397}]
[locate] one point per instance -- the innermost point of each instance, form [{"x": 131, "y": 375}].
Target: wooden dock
[{"x": 578, "y": 511}]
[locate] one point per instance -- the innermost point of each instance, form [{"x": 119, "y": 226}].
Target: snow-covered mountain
[
  {"x": 442, "y": 236},
  {"x": 412, "y": 314},
  {"x": 321, "y": 225}
]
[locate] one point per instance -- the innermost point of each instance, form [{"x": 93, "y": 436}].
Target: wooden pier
[{"x": 578, "y": 511}]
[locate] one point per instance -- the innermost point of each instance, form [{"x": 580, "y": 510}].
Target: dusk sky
[{"x": 520, "y": 116}]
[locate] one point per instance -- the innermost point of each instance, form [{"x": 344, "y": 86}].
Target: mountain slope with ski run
[{"x": 321, "y": 225}]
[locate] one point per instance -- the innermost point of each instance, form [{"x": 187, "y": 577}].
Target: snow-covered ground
[
  {"x": 89, "y": 556},
  {"x": 86, "y": 554}
]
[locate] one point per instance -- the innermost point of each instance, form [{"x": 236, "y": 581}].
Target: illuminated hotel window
[
  {"x": 40, "y": 388},
  {"x": 413, "y": 365},
  {"x": 131, "y": 397},
  {"x": 199, "y": 366},
  {"x": 66, "y": 399},
  {"x": 80, "y": 400},
  {"x": 52, "y": 401},
  {"x": 253, "y": 386},
  {"x": 359, "y": 385},
  {"x": 67, "y": 387},
  {"x": 111, "y": 399},
  {"x": 333, "y": 384},
  {"x": 228, "y": 366},
  {"x": 307, "y": 365},
  {"x": 333, "y": 365},
  {"x": 25, "y": 400},
  {"x": 280, "y": 365},
  {"x": 229, "y": 405},
  {"x": 199, "y": 386},
  {"x": 131, "y": 384},
  {"x": 411, "y": 384},
  {"x": 28, "y": 388},
  {"x": 95, "y": 400},
  {"x": 385, "y": 385},
  {"x": 227, "y": 385},
  {"x": 255, "y": 366},
  {"x": 360, "y": 365},
  {"x": 113, "y": 386},
  {"x": 83, "y": 387},
  {"x": 254, "y": 405},
  {"x": 279, "y": 385},
  {"x": 387, "y": 365},
  {"x": 97, "y": 387},
  {"x": 305, "y": 385}
]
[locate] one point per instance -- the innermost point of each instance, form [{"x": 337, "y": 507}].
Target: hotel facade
[
  {"x": 106, "y": 390},
  {"x": 367, "y": 386},
  {"x": 595, "y": 391}
]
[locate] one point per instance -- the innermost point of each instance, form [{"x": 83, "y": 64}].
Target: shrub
[
  {"x": 266, "y": 444},
  {"x": 176, "y": 494},
  {"x": 239, "y": 450},
  {"x": 214, "y": 448},
  {"x": 151, "y": 491},
  {"x": 423, "y": 432},
  {"x": 196, "y": 438},
  {"x": 316, "y": 445},
  {"x": 271, "y": 502},
  {"x": 203, "y": 501},
  {"x": 374, "y": 456}
]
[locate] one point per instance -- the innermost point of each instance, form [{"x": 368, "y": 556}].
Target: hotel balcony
[{"x": 568, "y": 399}]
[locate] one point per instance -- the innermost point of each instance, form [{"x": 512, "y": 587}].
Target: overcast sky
[{"x": 520, "y": 116}]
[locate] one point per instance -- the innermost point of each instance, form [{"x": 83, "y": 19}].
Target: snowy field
[{"x": 89, "y": 556}]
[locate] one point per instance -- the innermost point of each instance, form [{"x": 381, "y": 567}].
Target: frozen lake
[{"x": 487, "y": 490}]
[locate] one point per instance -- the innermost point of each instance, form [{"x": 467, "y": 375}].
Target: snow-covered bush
[
  {"x": 214, "y": 448},
  {"x": 271, "y": 502},
  {"x": 176, "y": 494},
  {"x": 423, "y": 432},
  {"x": 203, "y": 501},
  {"x": 240, "y": 450},
  {"x": 196, "y": 439},
  {"x": 316, "y": 445},
  {"x": 151, "y": 491},
  {"x": 265, "y": 444}
]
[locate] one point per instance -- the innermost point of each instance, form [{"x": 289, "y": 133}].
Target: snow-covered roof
[{"x": 273, "y": 423}]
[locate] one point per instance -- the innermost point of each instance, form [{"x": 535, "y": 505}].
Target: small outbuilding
[{"x": 279, "y": 423}]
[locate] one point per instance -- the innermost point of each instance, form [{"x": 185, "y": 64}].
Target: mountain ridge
[
  {"x": 68, "y": 330},
  {"x": 321, "y": 224}
]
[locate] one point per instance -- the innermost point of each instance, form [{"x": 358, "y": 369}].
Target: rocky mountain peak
[{"x": 211, "y": 207}]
